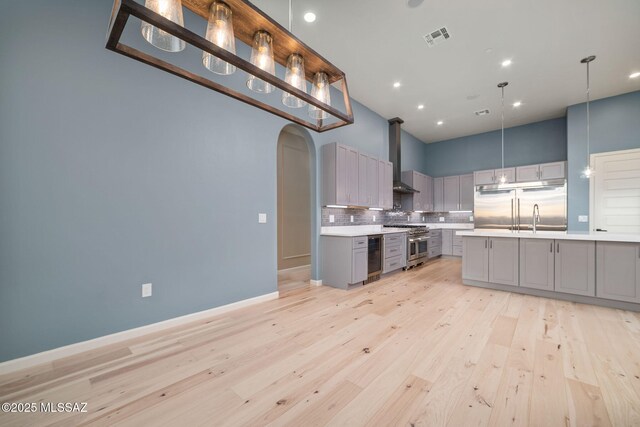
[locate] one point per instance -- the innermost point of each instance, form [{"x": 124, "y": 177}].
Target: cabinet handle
[
  {"x": 551, "y": 247},
  {"x": 491, "y": 244},
  {"x": 485, "y": 243},
  {"x": 558, "y": 247}
]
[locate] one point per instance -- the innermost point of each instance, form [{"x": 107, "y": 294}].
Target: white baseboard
[
  {"x": 315, "y": 282},
  {"x": 80, "y": 347}
]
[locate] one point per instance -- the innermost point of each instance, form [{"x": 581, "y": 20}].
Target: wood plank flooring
[{"x": 415, "y": 349}]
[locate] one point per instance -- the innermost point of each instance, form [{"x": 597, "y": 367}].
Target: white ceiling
[{"x": 377, "y": 42}]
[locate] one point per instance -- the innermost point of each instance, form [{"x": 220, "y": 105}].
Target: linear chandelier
[{"x": 163, "y": 27}]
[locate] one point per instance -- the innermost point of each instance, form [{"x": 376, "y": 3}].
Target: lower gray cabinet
[
  {"x": 447, "y": 242},
  {"x": 537, "y": 263},
  {"x": 359, "y": 262},
  {"x": 618, "y": 271},
  {"x": 503, "y": 260},
  {"x": 575, "y": 269},
  {"x": 475, "y": 259}
]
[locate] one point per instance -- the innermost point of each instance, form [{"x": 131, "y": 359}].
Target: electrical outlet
[
  {"x": 262, "y": 218},
  {"x": 374, "y": 218},
  {"x": 441, "y": 219},
  {"x": 423, "y": 219},
  {"x": 470, "y": 218},
  {"x": 408, "y": 218},
  {"x": 146, "y": 290},
  {"x": 332, "y": 218},
  {"x": 583, "y": 218},
  {"x": 351, "y": 218}
]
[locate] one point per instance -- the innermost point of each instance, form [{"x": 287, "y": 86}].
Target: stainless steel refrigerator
[{"x": 510, "y": 206}]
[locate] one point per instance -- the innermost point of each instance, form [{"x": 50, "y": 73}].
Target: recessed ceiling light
[
  {"x": 309, "y": 16},
  {"x": 634, "y": 75},
  {"x": 414, "y": 3},
  {"x": 506, "y": 62},
  {"x": 488, "y": 50},
  {"x": 517, "y": 104},
  {"x": 396, "y": 84},
  {"x": 440, "y": 123},
  {"x": 420, "y": 107}
]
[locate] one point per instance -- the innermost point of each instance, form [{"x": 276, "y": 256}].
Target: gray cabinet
[
  {"x": 452, "y": 193},
  {"x": 428, "y": 194},
  {"x": 367, "y": 180},
  {"x": 537, "y": 264},
  {"x": 503, "y": 260},
  {"x": 467, "y": 192},
  {"x": 359, "y": 265},
  {"x": 385, "y": 184},
  {"x": 475, "y": 259},
  {"x": 527, "y": 173},
  {"x": 434, "y": 246},
  {"x": 420, "y": 201},
  {"x": 395, "y": 252},
  {"x": 575, "y": 267},
  {"x": 339, "y": 175},
  {"x": 492, "y": 176},
  {"x": 618, "y": 271},
  {"x": 545, "y": 171},
  {"x": 438, "y": 194},
  {"x": 344, "y": 261},
  {"x": 447, "y": 242}
]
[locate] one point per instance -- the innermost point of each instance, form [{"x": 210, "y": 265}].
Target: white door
[{"x": 616, "y": 191}]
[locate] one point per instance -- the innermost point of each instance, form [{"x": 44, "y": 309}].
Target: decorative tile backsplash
[{"x": 342, "y": 217}]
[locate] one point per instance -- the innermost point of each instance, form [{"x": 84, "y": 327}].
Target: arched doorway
[{"x": 295, "y": 208}]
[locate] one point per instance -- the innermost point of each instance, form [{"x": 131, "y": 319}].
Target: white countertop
[
  {"x": 359, "y": 230},
  {"x": 445, "y": 225},
  {"x": 558, "y": 235}
]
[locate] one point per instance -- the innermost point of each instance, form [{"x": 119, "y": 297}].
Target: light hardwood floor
[
  {"x": 417, "y": 348},
  {"x": 294, "y": 279}
]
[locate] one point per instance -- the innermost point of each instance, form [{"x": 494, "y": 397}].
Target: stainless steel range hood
[{"x": 394, "y": 157}]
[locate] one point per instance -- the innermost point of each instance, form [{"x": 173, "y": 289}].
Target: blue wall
[
  {"x": 114, "y": 174},
  {"x": 614, "y": 125},
  {"x": 539, "y": 142}
]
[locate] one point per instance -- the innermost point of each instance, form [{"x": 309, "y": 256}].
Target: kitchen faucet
[{"x": 536, "y": 218}]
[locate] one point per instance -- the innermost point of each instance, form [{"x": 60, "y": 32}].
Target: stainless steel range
[{"x": 417, "y": 244}]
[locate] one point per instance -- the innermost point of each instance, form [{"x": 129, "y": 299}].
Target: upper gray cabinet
[
  {"x": 385, "y": 184},
  {"x": 416, "y": 201},
  {"x": 428, "y": 194},
  {"x": 618, "y": 271},
  {"x": 438, "y": 194},
  {"x": 545, "y": 171},
  {"x": 367, "y": 180},
  {"x": 452, "y": 193},
  {"x": 339, "y": 175},
  {"x": 466, "y": 192},
  {"x": 493, "y": 176}
]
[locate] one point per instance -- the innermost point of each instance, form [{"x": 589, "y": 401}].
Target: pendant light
[
  {"x": 320, "y": 91},
  {"x": 220, "y": 33},
  {"x": 294, "y": 74},
  {"x": 172, "y": 10},
  {"x": 503, "y": 177},
  {"x": 262, "y": 57},
  {"x": 588, "y": 172}
]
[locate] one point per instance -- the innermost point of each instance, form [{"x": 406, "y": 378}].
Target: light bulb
[
  {"x": 220, "y": 33},
  {"x": 320, "y": 91},
  {"x": 262, "y": 57},
  {"x": 296, "y": 78},
  {"x": 172, "y": 10},
  {"x": 503, "y": 179},
  {"x": 587, "y": 172}
]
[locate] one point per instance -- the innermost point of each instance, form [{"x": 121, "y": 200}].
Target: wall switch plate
[
  {"x": 374, "y": 218},
  {"x": 262, "y": 218},
  {"x": 332, "y": 218},
  {"x": 146, "y": 290},
  {"x": 583, "y": 218},
  {"x": 470, "y": 218},
  {"x": 351, "y": 218},
  {"x": 423, "y": 219},
  {"x": 408, "y": 218},
  {"x": 441, "y": 219}
]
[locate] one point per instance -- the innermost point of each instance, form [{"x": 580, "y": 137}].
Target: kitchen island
[{"x": 592, "y": 268}]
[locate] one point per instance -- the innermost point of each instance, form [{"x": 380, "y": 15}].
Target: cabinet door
[
  {"x": 575, "y": 267},
  {"x": 438, "y": 194},
  {"x": 527, "y": 173},
  {"x": 537, "y": 264},
  {"x": 452, "y": 193},
  {"x": 428, "y": 202},
  {"x": 418, "y": 197},
  {"x": 467, "y": 192},
  {"x": 372, "y": 182},
  {"x": 363, "y": 178},
  {"x": 484, "y": 177},
  {"x": 447, "y": 242},
  {"x": 475, "y": 258},
  {"x": 351, "y": 165},
  {"x": 388, "y": 178},
  {"x": 552, "y": 170},
  {"x": 342, "y": 176},
  {"x": 503, "y": 260},
  {"x": 359, "y": 265},
  {"x": 618, "y": 271},
  {"x": 509, "y": 173}
]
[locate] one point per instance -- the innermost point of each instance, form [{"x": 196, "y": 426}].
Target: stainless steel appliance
[
  {"x": 511, "y": 206},
  {"x": 374, "y": 257},
  {"x": 417, "y": 244}
]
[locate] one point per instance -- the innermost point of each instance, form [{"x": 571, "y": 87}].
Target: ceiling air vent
[
  {"x": 482, "y": 112},
  {"x": 437, "y": 36}
]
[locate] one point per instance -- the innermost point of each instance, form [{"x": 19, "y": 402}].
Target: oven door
[
  {"x": 417, "y": 247},
  {"x": 423, "y": 247}
]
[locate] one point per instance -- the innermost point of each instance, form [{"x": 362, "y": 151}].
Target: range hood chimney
[{"x": 394, "y": 156}]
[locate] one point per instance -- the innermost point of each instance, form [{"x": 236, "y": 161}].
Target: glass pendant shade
[
  {"x": 295, "y": 77},
  {"x": 172, "y": 10},
  {"x": 220, "y": 33},
  {"x": 320, "y": 91},
  {"x": 262, "y": 57}
]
